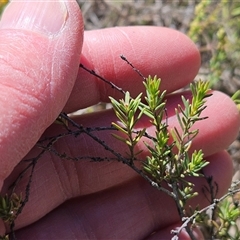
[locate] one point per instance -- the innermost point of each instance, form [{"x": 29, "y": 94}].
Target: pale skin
[{"x": 40, "y": 78}]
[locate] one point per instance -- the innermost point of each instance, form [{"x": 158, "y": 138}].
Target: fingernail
[{"x": 47, "y": 17}]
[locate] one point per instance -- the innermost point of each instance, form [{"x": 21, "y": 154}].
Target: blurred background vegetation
[{"x": 3, "y": 3}]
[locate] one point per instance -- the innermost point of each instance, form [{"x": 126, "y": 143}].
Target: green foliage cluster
[
  {"x": 9, "y": 210},
  {"x": 9, "y": 207},
  {"x": 236, "y": 98},
  {"x": 126, "y": 111},
  {"x": 222, "y": 218},
  {"x": 216, "y": 28},
  {"x": 167, "y": 162},
  {"x": 170, "y": 159},
  {"x": 226, "y": 224},
  {"x": 164, "y": 163},
  {"x": 3, "y": 4}
]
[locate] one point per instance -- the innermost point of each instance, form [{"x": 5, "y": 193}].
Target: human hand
[{"x": 39, "y": 75}]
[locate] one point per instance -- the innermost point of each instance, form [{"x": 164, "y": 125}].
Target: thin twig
[
  {"x": 134, "y": 68},
  {"x": 103, "y": 79}
]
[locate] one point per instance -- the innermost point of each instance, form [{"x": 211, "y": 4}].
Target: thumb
[{"x": 40, "y": 47}]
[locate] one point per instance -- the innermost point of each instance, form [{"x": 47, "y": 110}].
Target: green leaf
[
  {"x": 119, "y": 128},
  {"x": 119, "y": 138}
]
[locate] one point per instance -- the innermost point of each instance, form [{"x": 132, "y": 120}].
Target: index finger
[{"x": 164, "y": 52}]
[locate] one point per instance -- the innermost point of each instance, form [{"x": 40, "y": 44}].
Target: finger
[
  {"x": 167, "y": 53},
  {"x": 133, "y": 210},
  {"x": 66, "y": 179},
  {"x": 39, "y": 63}
]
